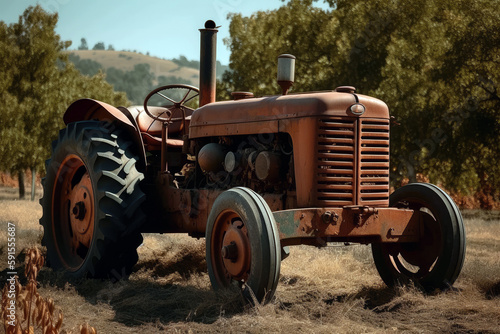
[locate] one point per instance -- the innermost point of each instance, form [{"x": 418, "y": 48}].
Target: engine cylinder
[
  {"x": 267, "y": 166},
  {"x": 231, "y": 161}
]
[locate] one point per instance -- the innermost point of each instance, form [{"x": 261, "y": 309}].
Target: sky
[{"x": 164, "y": 28}]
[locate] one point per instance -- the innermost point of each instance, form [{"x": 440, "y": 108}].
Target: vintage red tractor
[{"x": 253, "y": 176}]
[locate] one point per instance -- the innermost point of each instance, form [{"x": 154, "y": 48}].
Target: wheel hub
[
  {"x": 81, "y": 209},
  {"x": 230, "y": 251},
  {"x": 235, "y": 250}
]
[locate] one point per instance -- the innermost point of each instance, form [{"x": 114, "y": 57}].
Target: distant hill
[
  {"x": 126, "y": 60},
  {"x": 137, "y": 74}
]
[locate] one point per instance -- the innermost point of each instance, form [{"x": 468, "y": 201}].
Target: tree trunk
[
  {"x": 33, "y": 179},
  {"x": 22, "y": 190}
]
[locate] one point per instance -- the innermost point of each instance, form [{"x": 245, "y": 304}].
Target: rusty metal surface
[
  {"x": 187, "y": 210},
  {"x": 340, "y": 158},
  {"x": 183, "y": 210},
  {"x": 242, "y": 95},
  {"x": 88, "y": 109},
  {"x": 353, "y": 162},
  {"x": 85, "y": 109},
  {"x": 372, "y": 180},
  {"x": 211, "y": 119},
  {"x": 230, "y": 248},
  {"x": 366, "y": 225},
  {"x": 73, "y": 212}
]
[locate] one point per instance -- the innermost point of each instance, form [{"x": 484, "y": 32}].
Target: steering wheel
[{"x": 174, "y": 100}]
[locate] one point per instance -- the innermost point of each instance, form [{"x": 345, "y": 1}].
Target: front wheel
[
  {"x": 243, "y": 247},
  {"x": 92, "y": 202},
  {"x": 437, "y": 259}
]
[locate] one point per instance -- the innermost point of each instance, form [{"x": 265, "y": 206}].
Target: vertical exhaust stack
[{"x": 208, "y": 56}]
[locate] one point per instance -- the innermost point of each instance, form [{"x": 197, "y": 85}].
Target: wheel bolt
[
  {"x": 230, "y": 251},
  {"x": 79, "y": 210}
]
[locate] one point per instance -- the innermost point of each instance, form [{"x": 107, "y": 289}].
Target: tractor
[{"x": 253, "y": 176}]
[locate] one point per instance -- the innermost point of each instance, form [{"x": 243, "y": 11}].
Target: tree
[
  {"x": 297, "y": 28},
  {"x": 39, "y": 83},
  {"x": 11, "y": 146},
  {"x": 435, "y": 64},
  {"x": 36, "y": 52},
  {"x": 136, "y": 83},
  {"x": 85, "y": 66},
  {"x": 471, "y": 72},
  {"x": 83, "y": 45},
  {"x": 99, "y": 46}
]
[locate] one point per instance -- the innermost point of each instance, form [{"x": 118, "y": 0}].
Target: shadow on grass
[
  {"x": 146, "y": 298},
  {"x": 493, "y": 291},
  {"x": 168, "y": 291},
  {"x": 140, "y": 301},
  {"x": 374, "y": 297},
  {"x": 190, "y": 263}
]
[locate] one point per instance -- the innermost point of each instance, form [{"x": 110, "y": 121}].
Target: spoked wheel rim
[
  {"x": 230, "y": 249},
  {"x": 72, "y": 212},
  {"x": 416, "y": 260},
  {"x": 435, "y": 261}
]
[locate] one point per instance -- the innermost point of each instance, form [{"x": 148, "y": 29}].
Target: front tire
[
  {"x": 437, "y": 259},
  {"x": 242, "y": 245},
  {"x": 92, "y": 202}
]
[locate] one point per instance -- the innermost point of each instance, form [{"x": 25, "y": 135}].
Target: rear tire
[
  {"x": 437, "y": 259},
  {"x": 92, "y": 202}
]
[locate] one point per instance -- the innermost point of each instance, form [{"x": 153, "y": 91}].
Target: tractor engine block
[{"x": 263, "y": 162}]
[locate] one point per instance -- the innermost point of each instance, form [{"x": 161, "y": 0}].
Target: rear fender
[{"x": 88, "y": 109}]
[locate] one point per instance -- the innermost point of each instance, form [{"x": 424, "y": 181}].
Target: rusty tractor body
[{"x": 252, "y": 175}]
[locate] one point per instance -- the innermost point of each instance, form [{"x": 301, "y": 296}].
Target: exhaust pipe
[{"x": 208, "y": 58}]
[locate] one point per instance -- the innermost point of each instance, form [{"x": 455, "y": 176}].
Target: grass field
[{"x": 329, "y": 290}]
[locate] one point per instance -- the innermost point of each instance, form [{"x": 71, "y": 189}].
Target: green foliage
[
  {"x": 83, "y": 45},
  {"x": 163, "y": 80},
  {"x": 184, "y": 62},
  {"x": 296, "y": 28},
  {"x": 37, "y": 84},
  {"x": 85, "y": 66},
  {"x": 136, "y": 83},
  {"x": 436, "y": 65},
  {"x": 99, "y": 46}
]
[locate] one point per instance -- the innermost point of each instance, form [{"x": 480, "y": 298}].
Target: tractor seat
[{"x": 153, "y": 127}]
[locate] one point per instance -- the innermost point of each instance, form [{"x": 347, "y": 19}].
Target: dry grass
[
  {"x": 24, "y": 310},
  {"x": 332, "y": 290}
]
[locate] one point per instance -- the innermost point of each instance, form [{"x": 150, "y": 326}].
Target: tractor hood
[{"x": 245, "y": 115}]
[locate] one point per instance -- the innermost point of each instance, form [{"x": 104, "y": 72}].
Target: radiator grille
[
  {"x": 353, "y": 162},
  {"x": 336, "y": 161},
  {"x": 373, "y": 180}
]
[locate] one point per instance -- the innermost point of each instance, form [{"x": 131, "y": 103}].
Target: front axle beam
[{"x": 351, "y": 223}]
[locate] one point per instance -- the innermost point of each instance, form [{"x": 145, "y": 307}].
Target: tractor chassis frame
[{"x": 187, "y": 210}]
